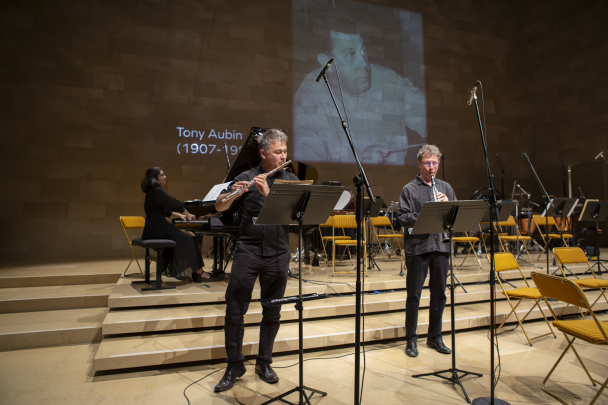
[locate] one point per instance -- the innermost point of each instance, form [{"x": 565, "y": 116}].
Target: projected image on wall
[{"x": 379, "y": 56}]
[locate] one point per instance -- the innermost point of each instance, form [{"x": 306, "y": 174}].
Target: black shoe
[
  {"x": 439, "y": 346},
  {"x": 266, "y": 373},
  {"x": 411, "y": 349},
  {"x": 233, "y": 371}
]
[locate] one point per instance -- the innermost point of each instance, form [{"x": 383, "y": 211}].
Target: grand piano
[{"x": 223, "y": 226}]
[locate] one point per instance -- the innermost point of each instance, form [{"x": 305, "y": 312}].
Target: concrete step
[
  {"x": 210, "y": 315},
  {"x": 27, "y": 299},
  {"x": 38, "y": 274},
  {"x": 50, "y": 328},
  {"x": 180, "y": 347},
  {"x": 126, "y": 295}
]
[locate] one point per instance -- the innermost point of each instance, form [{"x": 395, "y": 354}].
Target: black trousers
[
  {"x": 417, "y": 269},
  {"x": 246, "y": 268}
]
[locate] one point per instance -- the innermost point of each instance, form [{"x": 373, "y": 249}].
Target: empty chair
[{"x": 591, "y": 331}]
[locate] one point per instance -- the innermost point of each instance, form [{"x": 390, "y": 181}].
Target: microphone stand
[
  {"x": 502, "y": 177},
  {"x": 544, "y": 192},
  {"x": 564, "y": 177},
  {"x": 360, "y": 181},
  {"x": 493, "y": 219},
  {"x": 443, "y": 160}
]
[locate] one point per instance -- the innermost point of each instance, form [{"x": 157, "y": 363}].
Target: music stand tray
[
  {"x": 299, "y": 204},
  {"x": 450, "y": 216}
]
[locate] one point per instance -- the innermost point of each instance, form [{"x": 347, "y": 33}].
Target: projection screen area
[{"x": 378, "y": 53}]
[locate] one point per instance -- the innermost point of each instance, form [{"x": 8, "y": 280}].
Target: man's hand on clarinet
[
  {"x": 261, "y": 184},
  {"x": 442, "y": 197}
]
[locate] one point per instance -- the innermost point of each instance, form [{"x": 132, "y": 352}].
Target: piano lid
[{"x": 249, "y": 157}]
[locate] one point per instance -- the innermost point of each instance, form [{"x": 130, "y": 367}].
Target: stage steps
[
  {"x": 49, "y": 304},
  {"x": 172, "y": 326},
  {"x": 126, "y": 295},
  {"x": 27, "y": 299},
  {"x": 50, "y": 328},
  {"x": 156, "y": 319},
  {"x": 161, "y": 349}
]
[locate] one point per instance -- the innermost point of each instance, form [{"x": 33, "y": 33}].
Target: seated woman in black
[{"x": 185, "y": 259}]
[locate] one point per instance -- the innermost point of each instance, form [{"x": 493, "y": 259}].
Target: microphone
[
  {"x": 522, "y": 190},
  {"x": 582, "y": 195},
  {"x": 599, "y": 154},
  {"x": 272, "y": 302},
  {"x": 325, "y": 69},
  {"x": 227, "y": 158},
  {"x": 525, "y": 155},
  {"x": 473, "y": 91}
]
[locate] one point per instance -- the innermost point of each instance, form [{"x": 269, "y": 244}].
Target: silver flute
[{"x": 252, "y": 182}]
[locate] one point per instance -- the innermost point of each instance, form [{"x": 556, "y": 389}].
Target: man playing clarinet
[
  {"x": 424, "y": 252},
  {"x": 261, "y": 251}
]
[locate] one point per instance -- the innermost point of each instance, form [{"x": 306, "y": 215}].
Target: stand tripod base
[
  {"x": 454, "y": 378},
  {"x": 297, "y": 389},
  {"x": 487, "y": 401}
]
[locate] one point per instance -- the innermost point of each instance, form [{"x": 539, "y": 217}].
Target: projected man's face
[{"x": 355, "y": 71}]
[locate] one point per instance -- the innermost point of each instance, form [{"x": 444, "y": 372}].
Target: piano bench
[{"x": 158, "y": 245}]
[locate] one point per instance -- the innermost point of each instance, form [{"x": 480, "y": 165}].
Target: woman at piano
[{"x": 185, "y": 259}]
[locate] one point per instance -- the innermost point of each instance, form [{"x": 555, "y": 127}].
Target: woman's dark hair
[{"x": 151, "y": 180}]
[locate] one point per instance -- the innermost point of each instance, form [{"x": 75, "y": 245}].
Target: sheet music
[{"x": 215, "y": 192}]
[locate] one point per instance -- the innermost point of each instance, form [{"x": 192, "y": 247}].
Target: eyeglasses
[{"x": 430, "y": 164}]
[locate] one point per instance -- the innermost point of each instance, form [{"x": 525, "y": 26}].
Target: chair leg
[
  {"x": 593, "y": 381},
  {"x": 136, "y": 261},
  {"x": 159, "y": 274},
  {"x": 553, "y": 369},
  {"x": 603, "y": 387}
]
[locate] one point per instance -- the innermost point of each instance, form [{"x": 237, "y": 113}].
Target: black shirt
[
  {"x": 261, "y": 240},
  {"x": 412, "y": 198}
]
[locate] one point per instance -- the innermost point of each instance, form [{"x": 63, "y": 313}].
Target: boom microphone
[
  {"x": 473, "y": 91},
  {"x": 325, "y": 69},
  {"x": 599, "y": 154},
  {"x": 525, "y": 155}
]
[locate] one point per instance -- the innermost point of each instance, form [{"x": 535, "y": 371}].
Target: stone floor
[{"x": 64, "y": 375}]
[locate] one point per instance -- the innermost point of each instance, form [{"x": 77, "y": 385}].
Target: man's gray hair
[
  {"x": 428, "y": 150},
  {"x": 270, "y": 136}
]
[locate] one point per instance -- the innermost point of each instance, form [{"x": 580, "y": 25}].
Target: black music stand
[
  {"x": 559, "y": 207},
  {"x": 287, "y": 204},
  {"x": 371, "y": 209},
  {"x": 595, "y": 211},
  {"x": 450, "y": 216}
]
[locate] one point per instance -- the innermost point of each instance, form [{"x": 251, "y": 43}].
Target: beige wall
[{"x": 91, "y": 94}]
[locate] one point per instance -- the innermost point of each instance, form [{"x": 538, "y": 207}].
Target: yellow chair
[
  {"x": 541, "y": 221},
  {"x": 591, "y": 331},
  {"x": 572, "y": 255},
  {"x": 389, "y": 233},
  {"x": 132, "y": 223},
  {"x": 326, "y": 239},
  {"x": 345, "y": 222},
  {"x": 471, "y": 240},
  {"x": 504, "y": 262},
  {"x": 513, "y": 238}
]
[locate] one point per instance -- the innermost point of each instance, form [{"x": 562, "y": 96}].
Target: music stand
[
  {"x": 450, "y": 216},
  {"x": 561, "y": 207},
  {"x": 287, "y": 204},
  {"x": 597, "y": 211},
  {"x": 371, "y": 209}
]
